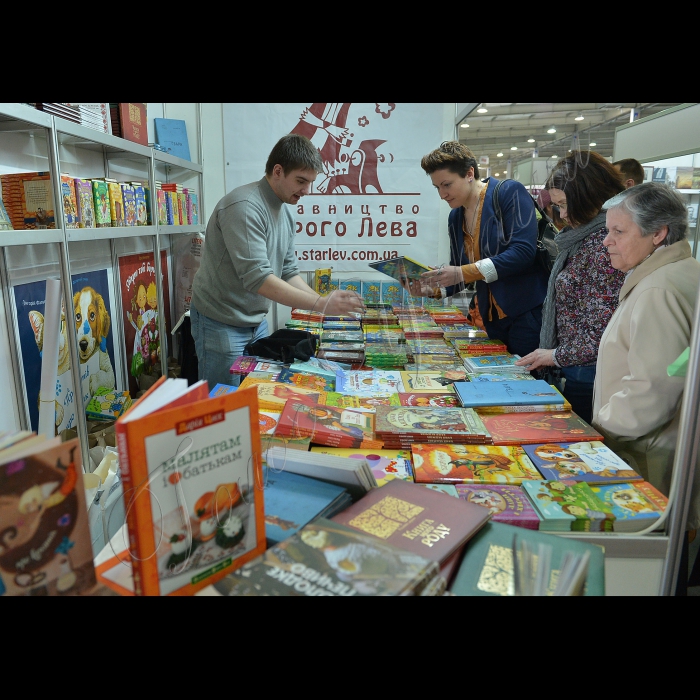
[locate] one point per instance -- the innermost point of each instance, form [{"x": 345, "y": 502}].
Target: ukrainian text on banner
[{"x": 373, "y": 199}]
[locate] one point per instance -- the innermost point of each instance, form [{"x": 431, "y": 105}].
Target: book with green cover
[
  {"x": 487, "y": 564},
  {"x": 400, "y": 268}
]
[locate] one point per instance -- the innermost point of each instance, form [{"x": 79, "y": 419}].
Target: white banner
[{"x": 373, "y": 199}]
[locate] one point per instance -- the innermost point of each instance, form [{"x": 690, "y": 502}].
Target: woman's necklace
[{"x": 470, "y": 229}]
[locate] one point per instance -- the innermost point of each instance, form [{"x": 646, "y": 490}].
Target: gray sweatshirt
[{"x": 250, "y": 235}]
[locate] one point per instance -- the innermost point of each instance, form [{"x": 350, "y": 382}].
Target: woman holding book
[
  {"x": 583, "y": 285},
  {"x": 637, "y": 405},
  {"x": 496, "y": 254}
]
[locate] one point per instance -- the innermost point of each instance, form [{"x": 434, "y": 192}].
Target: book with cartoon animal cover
[
  {"x": 46, "y": 544},
  {"x": 192, "y": 475},
  {"x": 635, "y": 505},
  {"x": 569, "y": 505},
  {"x": 471, "y": 464},
  {"x": 589, "y": 461},
  {"x": 385, "y": 464},
  {"x": 68, "y": 199},
  {"x": 400, "y": 268},
  {"x": 428, "y": 382},
  {"x": 533, "y": 428},
  {"x": 371, "y": 292},
  {"x": 273, "y": 394},
  {"x": 507, "y": 503},
  {"x": 85, "y": 203},
  {"x": 365, "y": 403},
  {"x": 374, "y": 382},
  {"x": 426, "y": 398},
  {"x": 100, "y": 197},
  {"x": 141, "y": 204},
  {"x": 129, "y": 199},
  {"x": 107, "y": 404},
  {"x": 311, "y": 381},
  {"x": 322, "y": 280}
]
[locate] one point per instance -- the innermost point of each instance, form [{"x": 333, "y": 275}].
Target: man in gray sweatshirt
[{"x": 249, "y": 262}]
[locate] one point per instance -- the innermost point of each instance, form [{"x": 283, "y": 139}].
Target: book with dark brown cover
[
  {"x": 132, "y": 120},
  {"x": 419, "y": 520}
]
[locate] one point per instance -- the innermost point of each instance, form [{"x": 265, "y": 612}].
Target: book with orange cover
[
  {"x": 192, "y": 474},
  {"x": 533, "y": 428},
  {"x": 273, "y": 394}
]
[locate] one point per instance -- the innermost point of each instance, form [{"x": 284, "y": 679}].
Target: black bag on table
[{"x": 285, "y": 345}]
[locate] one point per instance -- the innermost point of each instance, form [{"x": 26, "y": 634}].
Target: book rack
[{"x": 37, "y": 141}]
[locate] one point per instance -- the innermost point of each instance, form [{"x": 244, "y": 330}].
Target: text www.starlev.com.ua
[{"x": 320, "y": 255}]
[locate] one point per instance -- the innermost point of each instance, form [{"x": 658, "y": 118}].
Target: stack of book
[
  {"x": 28, "y": 199},
  {"x": 493, "y": 364},
  {"x": 511, "y": 396},
  {"x": 507, "y": 503},
  {"x": 538, "y": 427}
]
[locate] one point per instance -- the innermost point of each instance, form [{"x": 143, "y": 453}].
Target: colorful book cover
[
  {"x": 129, "y": 199},
  {"x": 416, "y": 519},
  {"x": 439, "y": 399},
  {"x": 293, "y": 500},
  {"x": 133, "y": 122},
  {"x": 471, "y": 464},
  {"x": 635, "y": 505},
  {"x": 322, "y": 280},
  {"x": 140, "y": 313},
  {"x": 351, "y": 285},
  {"x": 507, "y": 503},
  {"x": 533, "y": 428},
  {"x": 310, "y": 381},
  {"x": 162, "y": 207},
  {"x": 371, "y": 292},
  {"x": 181, "y": 209},
  {"x": 171, "y": 134},
  {"x": 46, "y": 543},
  {"x": 401, "y": 267},
  {"x": 499, "y": 377},
  {"x": 392, "y": 293},
  {"x": 487, "y": 565},
  {"x": 429, "y": 382},
  {"x": 169, "y": 209},
  {"x": 419, "y": 424},
  {"x": 116, "y": 203},
  {"x": 70, "y": 206},
  {"x": 33, "y": 193},
  {"x": 107, "y": 404},
  {"x": 589, "y": 461},
  {"x": 220, "y": 389},
  {"x": 244, "y": 364},
  {"x": 385, "y": 464},
  {"x": 367, "y": 403},
  {"x": 337, "y": 561},
  {"x": 477, "y": 395},
  {"x": 194, "y": 206},
  {"x": 369, "y": 382},
  {"x": 493, "y": 362},
  {"x": 273, "y": 394},
  {"x": 269, "y": 420},
  {"x": 100, "y": 197},
  {"x": 569, "y": 505},
  {"x": 449, "y": 489}
]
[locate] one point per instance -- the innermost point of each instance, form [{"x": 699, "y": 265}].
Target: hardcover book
[
  {"x": 366, "y": 403},
  {"x": 499, "y": 376},
  {"x": 400, "y": 268},
  {"x": 494, "y": 363},
  {"x": 273, "y": 394},
  {"x": 171, "y": 134},
  {"x": 392, "y": 293},
  {"x": 428, "y": 382},
  {"x": 329, "y": 559},
  {"x": 569, "y": 505},
  {"x": 192, "y": 474},
  {"x": 427, "y": 398},
  {"x": 244, "y": 364},
  {"x": 374, "y": 382},
  {"x": 322, "y": 280},
  {"x": 68, "y": 199},
  {"x": 416, "y": 519},
  {"x": 385, "y": 464},
  {"x": 129, "y": 199},
  {"x": 292, "y": 501},
  {"x": 471, "y": 464},
  {"x": 371, "y": 292},
  {"x": 133, "y": 122},
  {"x": 487, "y": 564},
  {"x": 351, "y": 285},
  {"x": 46, "y": 545},
  {"x": 100, "y": 197},
  {"x": 635, "y": 506},
  {"x": 518, "y": 393},
  {"x": 589, "y": 461},
  {"x": 507, "y": 503},
  {"x": 85, "y": 203},
  {"x": 29, "y": 199},
  {"x": 310, "y": 381},
  {"x": 533, "y": 428},
  {"x": 116, "y": 203}
]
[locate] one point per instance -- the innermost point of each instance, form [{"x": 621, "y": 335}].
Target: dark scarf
[{"x": 568, "y": 242}]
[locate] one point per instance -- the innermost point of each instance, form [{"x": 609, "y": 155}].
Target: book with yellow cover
[
  {"x": 116, "y": 203},
  {"x": 274, "y": 395}
]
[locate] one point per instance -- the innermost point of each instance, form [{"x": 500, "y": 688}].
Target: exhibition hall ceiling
[{"x": 520, "y": 130}]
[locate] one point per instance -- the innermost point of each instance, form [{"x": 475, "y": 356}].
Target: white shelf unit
[{"x": 31, "y": 140}]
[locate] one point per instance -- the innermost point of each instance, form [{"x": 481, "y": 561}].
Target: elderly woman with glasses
[{"x": 636, "y": 404}]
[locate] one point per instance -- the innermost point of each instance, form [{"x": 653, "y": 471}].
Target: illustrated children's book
[
  {"x": 116, "y": 203},
  {"x": 507, "y": 503},
  {"x": 392, "y": 293},
  {"x": 329, "y": 559},
  {"x": 487, "y": 565},
  {"x": 589, "y": 461},
  {"x": 192, "y": 475},
  {"x": 385, "y": 464},
  {"x": 322, "y": 280},
  {"x": 70, "y": 206},
  {"x": 635, "y": 506},
  {"x": 100, "y": 196},
  {"x": 375, "y": 382},
  {"x": 292, "y": 500},
  {"x": 471, "y": 464},
  {"x": 400, "y": 268},
  {"x": 427, "y": 398},
  {"x": 46, "y": 545},
  {"x": 569, "y": 505},
  {"x": 429, "y": 382},
  {"x": 129, "y": 198},
  {"x": 416, "y": 519},
  {"x": 85, "y": 203},
  {"x": 371, "y": 291},
  {"x": 310, "y": 381},
  {"x": 532, "y": 428},
  {"x": 364, "y": 403},
  {"x": 511, "y": 393},
  {"x": 274, "y": 394},
  {"x": 494, "y": 363}
]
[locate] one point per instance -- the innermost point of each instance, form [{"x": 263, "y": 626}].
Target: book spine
[{"x": 490, "y": 410}]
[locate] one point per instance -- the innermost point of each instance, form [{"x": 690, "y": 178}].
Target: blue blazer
[{"x": 521, "y": 285}]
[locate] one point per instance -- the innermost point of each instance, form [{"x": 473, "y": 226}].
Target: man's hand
[{"x": 340, "y": 302}]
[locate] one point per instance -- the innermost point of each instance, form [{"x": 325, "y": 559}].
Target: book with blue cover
[
  {"x": 172, "y": 135},
  {"x": 512, "y": 393},
  {"x": 293, "y": 500}
]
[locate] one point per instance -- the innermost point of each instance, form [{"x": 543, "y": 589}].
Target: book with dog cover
[
  {"x": 192, "y": 474},
  {"x": 92, "y": 311},
  {"x": 140, "y": 313},
  {"x": 46, "y": 544}
]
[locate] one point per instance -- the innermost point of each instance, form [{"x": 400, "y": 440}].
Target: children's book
[
  {"x": 141, "y": 204},
  {"x": 385, "y": 464},
  {"x": 400, "y": 268},
  {"x": 107, "y": 404},
  {"x": 274, "y": 394},
  {"x": 487, "y": 565},
  {"x": 220, "y": 389},
  {"x": 192, "y": 474},
  {"x": 498, "y": 376},
  {"x": 336, "y": 561},
  {"x": 371, "y": 292},
  {"x": 589, "y": 461},
  {"x": 129, "y": 198},
  {"x": 426, "y": 398},
  {"x": 391, "y": 292},
  {"x": 471, "y": 464},
  {"x": 342, "y": 336},
  {"x": 85, "y": 203},
  {"x": 428, "y": 382},
  {"x": 322, "y": 280},
  {"x": 517, "y": 393},
  {"x": 100, "y": 196},
  {"x": 268, "y": 420},
  {"x": 533, "y": 428},
  {"x": 494, "y": 363},
  {"x": 416, "y": 519},
  {"x": 116, "y": 203},
  {"x": 310, "y": 381},
  {"x": 635, "y": 505},
  {"x": 370, "y": 383},
  {"x": 507, "y": 503},
  {"x": 46, "y": 545},
  {"x": 351, "y": 285},
  {"x": 244, "y": 364},
  {"x": 449, "y": 489},
  {"x": 293, "y": 500},
  {"x": 171, "y": 134},
  {"x": 366, "y": 403},
  {"x": 569, "y": 505},
  {"x": 70, "y": 206}
]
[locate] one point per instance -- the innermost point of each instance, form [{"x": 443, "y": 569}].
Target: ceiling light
[
  {"x": 482, "y": 110},
  {"x": 497, "y": 174},
  {"x": 464, "y": 126},
  {"x": 499, "y": 154},
  {"x": 513, "y": 148},
  {"x": 579, "y": 118},
  {"x": 531, "y": 140},
  {"x": 552, "y": 130},
  {"x": 554, "y": 156},
  {"x": 592, "y": 143}
]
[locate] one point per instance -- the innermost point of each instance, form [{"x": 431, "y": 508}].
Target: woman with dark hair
[
  {"x": 495, "y": 253},
  {"x": 637, "y": 405},
  {"x": 583, "y": 286}
]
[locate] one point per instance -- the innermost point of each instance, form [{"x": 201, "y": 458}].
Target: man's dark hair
[
  {"x": 631, "y": 169},
  {"x": 294, "y": 152}
]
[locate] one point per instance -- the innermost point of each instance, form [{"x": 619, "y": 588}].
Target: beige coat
[{"x": 636, "y": 405}]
